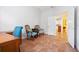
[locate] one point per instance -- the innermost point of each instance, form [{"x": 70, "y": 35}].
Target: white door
[{"x": 51, "y": 26}]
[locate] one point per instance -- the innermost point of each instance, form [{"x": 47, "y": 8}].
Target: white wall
[
  {"x": 51, "y": 25},
  {"x": 78, "y": 28},
  {"x": 58, "y": 11},
  {"x": 13, "y": 16},
  {"x": 45, "y": 15},
  {"x": 71, "y": 27}
]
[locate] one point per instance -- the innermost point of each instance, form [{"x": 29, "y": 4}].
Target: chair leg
[
  {"x": 19, "y": 49},
  {"x": 28, "y": 37}
]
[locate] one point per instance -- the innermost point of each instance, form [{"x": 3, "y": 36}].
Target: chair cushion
[
  {"x": 34, "y": 33},
  {"x": 17, "y": 31}
]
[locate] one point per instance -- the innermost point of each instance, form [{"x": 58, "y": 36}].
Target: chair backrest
[
  {"x": 17, "y": 31},
  {"x": 27, "y": 28},
  {"x": 37, "y": 27}
]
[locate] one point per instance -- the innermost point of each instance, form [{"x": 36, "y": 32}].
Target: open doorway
[{"x": 61, "y": 27}]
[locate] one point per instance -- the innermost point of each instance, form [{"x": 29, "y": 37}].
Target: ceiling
[{"x": 43, "y": 8}]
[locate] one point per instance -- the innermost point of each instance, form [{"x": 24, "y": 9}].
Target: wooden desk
[{"x": 9, "y": 43}]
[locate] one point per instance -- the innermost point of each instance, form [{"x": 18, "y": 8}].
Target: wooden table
[{"x": 9, "y": 43}]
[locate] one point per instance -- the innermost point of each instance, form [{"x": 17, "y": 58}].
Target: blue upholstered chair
[{"x": 17, "y": 31}]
